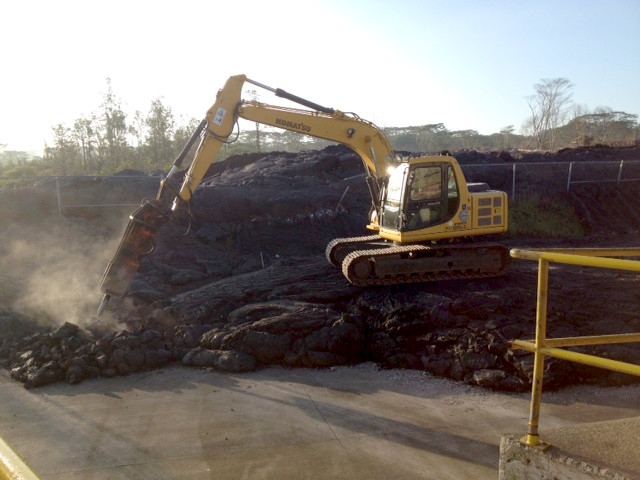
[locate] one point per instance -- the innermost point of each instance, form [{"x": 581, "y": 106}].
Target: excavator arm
[{"x": 213, "y": 132}]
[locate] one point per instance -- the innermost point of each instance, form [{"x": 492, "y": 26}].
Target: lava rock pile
[{"x": 247, "y": 286}]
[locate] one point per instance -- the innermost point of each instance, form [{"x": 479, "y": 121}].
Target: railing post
[
  {"x": 12, "y": 466},
  {"x": 569, "y": 176},
  {"x": 533, "y": 439}
]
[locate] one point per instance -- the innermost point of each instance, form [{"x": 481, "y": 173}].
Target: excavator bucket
[{"x": 136, "y": 242}]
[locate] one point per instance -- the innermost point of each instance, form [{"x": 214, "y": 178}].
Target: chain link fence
[
  {"x": 87, "y": 192},
  {"x": 517, "y": 179},
  {"x": 520, "y": 179}
]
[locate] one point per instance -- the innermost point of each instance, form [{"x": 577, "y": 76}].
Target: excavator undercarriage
[{"x": 370, "y": 260}]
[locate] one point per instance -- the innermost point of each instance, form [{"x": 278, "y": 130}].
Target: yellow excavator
[{"x": 423, "y": 220}]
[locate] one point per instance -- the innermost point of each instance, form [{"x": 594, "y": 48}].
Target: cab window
[
  {"x": 425, "y": 198},
  {"x": 426, "y": 184},
  {"x": 391, "y": 217}
]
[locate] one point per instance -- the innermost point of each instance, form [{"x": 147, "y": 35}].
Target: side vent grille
[{"x": 486, "y": 218}]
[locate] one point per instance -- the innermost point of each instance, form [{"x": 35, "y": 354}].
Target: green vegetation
[
  {"x": 536, "y": 216},
  {"x": 108, "y": 141},
  {"x": 23, "y": 170},
  {"x": 18, "y": 174}
]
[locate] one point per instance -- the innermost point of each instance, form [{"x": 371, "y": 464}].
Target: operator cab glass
[
  {"x": 431, "y": 197},
  {"x": 424, "y": 202},
  {"x": 393, "y": 200}
]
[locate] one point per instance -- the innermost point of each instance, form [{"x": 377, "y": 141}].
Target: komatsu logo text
[{"x": 292, "y": 125}]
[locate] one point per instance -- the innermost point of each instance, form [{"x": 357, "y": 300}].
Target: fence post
[
  {"x": 569, "y": 176},
  {"x": 620, "y": 171},
  {"x": 58, "y": 195},
  {"x": 513, "y": 181}
]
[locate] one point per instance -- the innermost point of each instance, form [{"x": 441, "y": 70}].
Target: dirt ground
[{"x": 243, "y": 283}]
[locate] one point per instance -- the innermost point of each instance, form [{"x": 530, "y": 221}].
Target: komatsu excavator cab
[{"x": 419, "y": 196}]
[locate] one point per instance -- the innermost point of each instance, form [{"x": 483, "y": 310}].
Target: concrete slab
[
  {"x": 348, "y": 422},
  {"x": 612, "y": 445},
  {"x": 520, "y": 462},
  {"x": 588, "y": 450}
]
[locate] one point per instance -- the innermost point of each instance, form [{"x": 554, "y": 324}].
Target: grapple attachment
[{"x": 136, "y": 242}]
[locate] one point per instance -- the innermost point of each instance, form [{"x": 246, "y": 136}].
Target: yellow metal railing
[
  {"x": 543, "y": 346},
  {"x": 12, "y": 467}
]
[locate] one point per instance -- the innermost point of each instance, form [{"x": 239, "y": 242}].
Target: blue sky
[{"x": 467, "y": 64}]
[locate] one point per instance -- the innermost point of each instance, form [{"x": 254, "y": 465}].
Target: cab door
[{"x": 431, "y": 196}]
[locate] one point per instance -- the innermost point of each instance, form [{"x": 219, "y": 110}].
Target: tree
[
  {"x": 161, "y": 124},
  {"x": 548, "y": 110},
  {"x": 253, "y": 94},
  {"x": 506, "y": 131},
  {"x": 20, "y": 171},
  {"x": 625, "y": 127},
  {"x": 403, "y": 138},
  {"x": 290, "y": 141},
  {"x": 62, "y": 156},
  {"x": 13, "y": 157},
  {"x": 464, "y": 139},
  {"x": 84, "y": 134},
  {"x": 137, "y": 130},
  {"x": 433, "y": 137},
  {"x": 182, "y": 135},
  {"x": 607, "y": 126},
  {"x": 113, "y": 141},
  {"x": 580, "y": 128}
]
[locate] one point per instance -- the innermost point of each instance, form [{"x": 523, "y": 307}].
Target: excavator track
[
  {"x": 338, "y": 248},
  {"x": 425, "y": 263}
]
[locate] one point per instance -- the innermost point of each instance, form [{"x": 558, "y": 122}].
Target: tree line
[
  {"x": 109, "y": 141},
  {"x": 557, "y": 122}
]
